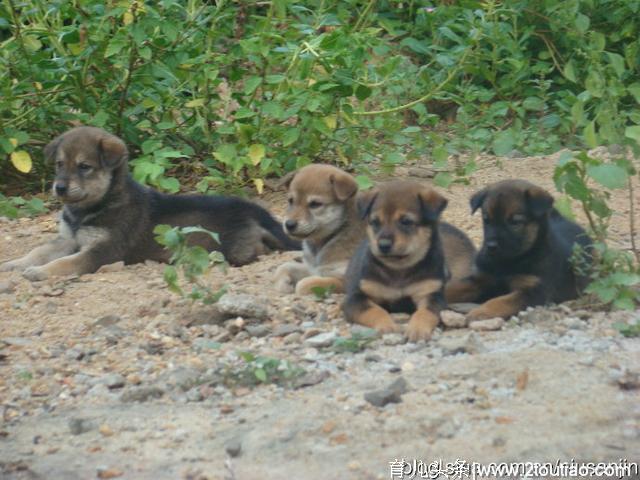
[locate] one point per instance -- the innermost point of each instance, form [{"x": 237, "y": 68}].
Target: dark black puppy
[
  {"x": 525, "y": 257},
  {"x": 108, "y": 217},
  {"x": 401, "y": 266}
]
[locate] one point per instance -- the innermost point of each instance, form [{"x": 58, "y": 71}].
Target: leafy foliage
[
  {"x": 232, "y": 92},
  {"x": 14, "y": 207},
  {"x": 192, "y": 261},
  {"x": 261, "y": 370}
]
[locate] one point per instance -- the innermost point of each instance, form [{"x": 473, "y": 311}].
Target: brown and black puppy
[
  {"x": 401, "y": 266},
  {"x": 108, "y": 217},
  {"x": 525, "y": 257},
  {"x": 322, "y": 213}
]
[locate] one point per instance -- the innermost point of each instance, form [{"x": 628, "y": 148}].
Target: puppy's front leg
[
  {"x": 289, "y": 274},
  {"x": 427, "y": 296},
  {"x": 307, "y": 284},
  {"x": 526, "y": 290},
  {"x": 57, "y": 248},
  {"x": 469, "y": 289},
  {"x": 359, "y": 309}
]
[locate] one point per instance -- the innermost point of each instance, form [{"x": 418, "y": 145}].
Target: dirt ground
[{"x": 110, "y": 375}]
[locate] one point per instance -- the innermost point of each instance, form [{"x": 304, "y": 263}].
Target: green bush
[{"x": 223, "y": 94}]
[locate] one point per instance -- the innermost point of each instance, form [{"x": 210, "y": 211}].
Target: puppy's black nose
[
  {"x": 290, "y": 225},
  {"x": 61, "y": 189},
  {"x": 492, "y": 246},
  {"x": 384, "y": 245}
]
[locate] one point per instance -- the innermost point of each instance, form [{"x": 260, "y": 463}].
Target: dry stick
[{"x": 632, "y": 222}]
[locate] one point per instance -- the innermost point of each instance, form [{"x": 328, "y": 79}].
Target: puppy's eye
[
  {"x": 290, "y": 200},
  {"x": 59, "y": 164},
  {"x": 516, "y": 221},
  {"x": 375, "y": 223},
  {"x": 84, "y": 167},
  {"x": 315, "y": 204},
  {"x": 407, "y": 222}
]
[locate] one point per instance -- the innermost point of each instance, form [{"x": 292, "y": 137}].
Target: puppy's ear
[
  {"x": 364, "y": 201},
  {"x": 112, "y": 150},
  {"x": 51, "y": 148},
  {"x": 477, "y": 199},
  {"x": 344, "y": 185},
  {"x": 538, "y": 201},
  {"x": 431, "y": 204},
  {"x": 285, "y": 181}
]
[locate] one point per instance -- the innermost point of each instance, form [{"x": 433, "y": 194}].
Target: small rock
[
  {"x": 453, "y": 319},
  {"x": 421, "y": 172},
  {"x": 311, "y": 378},
  {"x": 295, "y": 337},
  {"x": 574, "y": 323},
  {"x": 233, "y": 447},
  {"x": 17, "y": 341},
  {"x": 626, "y": 379},
  {"x": 113, "y": 381},
  {"x": 184, "y": 378},
  {"x": 391, "y": 394},
  {"x": 203, "y": 344},
  {"x": 107, "y": 321},
  {"x": 322, "y": 339},
  {"x": 487, "y": 325},
  {"x": 285, "y": 329},
  {"x": 106, "y": 473},
  {"x": 105, "y": 430},
  {"x": 7, "y": 287},
  {"x": 141, "y": 394},
  {"x": 394, "y": 339},
  {"x": 257, "y": 330},
  {"x": 194, "y": 395},
  {"x": 364, "y": 332},
  {"x": 372, "y": 357},
  {"x": 78, "y": 426},
  {"x": 243, "y": 305},
  {"x": 453, "y": 344}
]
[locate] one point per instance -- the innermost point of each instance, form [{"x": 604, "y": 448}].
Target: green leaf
[
  {"x": 503, "y": 143},
  {"x": 582, "y": 22},
  {"x": 251, "y": 84},
  {"x": 570, "y": 72},
  {"x": 608, "y": 175},
  {"x": 634, "y": 89},
  {"x": 256, "y": 153},
  {"x": 633, "y": 133},
  {"x": 364, "y": 182},
  {"x": 290, "y": 136},
  {"x": 589, "y": 133},
  {"x": 260, "y": 374},
  {"x": 363, "y": 92},
  {"x": 440, "y": 156},
  {"x": 617, "y": 62},
  {"x": 443, "y": 179},
  {"x": 563, "y": 205}
]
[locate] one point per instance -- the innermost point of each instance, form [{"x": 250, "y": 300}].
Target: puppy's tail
[{"x": 273, "y": 234}]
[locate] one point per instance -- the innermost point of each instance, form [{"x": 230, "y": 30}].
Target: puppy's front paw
[
  {"x": 35, "y": 274},
  {"x": 421, "y": 325},
  {"x": 307, "y": 285},
  {"x": 480, "y": 313},
  {"x": 284, "y": 284}
]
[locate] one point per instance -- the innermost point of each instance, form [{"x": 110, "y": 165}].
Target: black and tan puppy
[
  {"x": 401, "y": 266},
  {"x": 525, "y": 257},
  {"x": 108, "y": 217}
]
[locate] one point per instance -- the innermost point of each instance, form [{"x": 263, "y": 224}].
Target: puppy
[
  {"x": 322, "y": 214},
  {"x": 525, "y": 257},
  {"x": 108, "y": 217},
  {"x": 401, "y": 265}
]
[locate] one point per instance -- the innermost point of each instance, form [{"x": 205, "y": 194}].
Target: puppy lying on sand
[{"x": 108, "y": 217}]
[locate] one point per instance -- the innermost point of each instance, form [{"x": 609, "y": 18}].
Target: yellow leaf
[
  {"x": 76, "y": 48},
  {"x": 38, "y": 85},
  {"x": 256, "y": 153},
  {"x": 13, "y": 141},
  {"x": 259, "y": 183},
  {"x": 331, "y": 121},
  {"x": 21, "y": 160},
  {"x": 127, "y": 18},
  {"x": 196, "y": 102},
  {"x": 342, "y": 156}
]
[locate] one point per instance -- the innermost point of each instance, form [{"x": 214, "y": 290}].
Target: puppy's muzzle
[
  {"x": 385, "y": 245},
  {"x": 492, "y": 247},
  {"x": 61, "y": 189}
]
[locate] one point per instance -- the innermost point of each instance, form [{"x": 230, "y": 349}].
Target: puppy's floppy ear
[
  {"x": 431, "y": 204},
  {"x": 365, "y": 200},
  {"x": 538, "y": 201},
  {"x": 285, "y": 181},
  {"x": 477, "y": 199},
  {"x": 112, "y": 150},
  {"x": 51, "y": 148},
  {"x": 344, "y": 185}
]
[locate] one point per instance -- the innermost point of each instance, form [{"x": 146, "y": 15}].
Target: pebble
[
  {"x": 364, "y": 332},
  {"x": 78, "y": 426},
  {"x": 310, "y": 379},
  {"x": 7, "y": 287},
  {"x": 107, "y": 321},
  {"x": 321, "y": 340},
  {"x": 141, "y": 394},
  {"x": 243, "y": 305},
  {"x": 487, "y": 325},
  {"x": 392, "y": 393},
  {"x": 453, "y": 344},
  {"x": 257, "y": 330},
  {"x": 394, "y": 339},
  {"x": 295, "y": 337},
  {"x": 574, "y": 323},
  {"x": 113, "y": 381},
  {"x": 453, "y": 319},
  {"x": 17, "y": 341},
  {"x": 201, "y": 344},
  {"x": 233, "y": 447},
  {"x": 285, "y": 329},
  {"x": 112, "y": 267}
]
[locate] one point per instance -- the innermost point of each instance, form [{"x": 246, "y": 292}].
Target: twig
[{"x": 632, "y": 222}]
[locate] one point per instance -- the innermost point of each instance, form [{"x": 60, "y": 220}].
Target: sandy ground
[{"x": 112, "y": 376}]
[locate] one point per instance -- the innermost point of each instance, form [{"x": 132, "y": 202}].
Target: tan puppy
[{"x": 323, "y": 214}]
